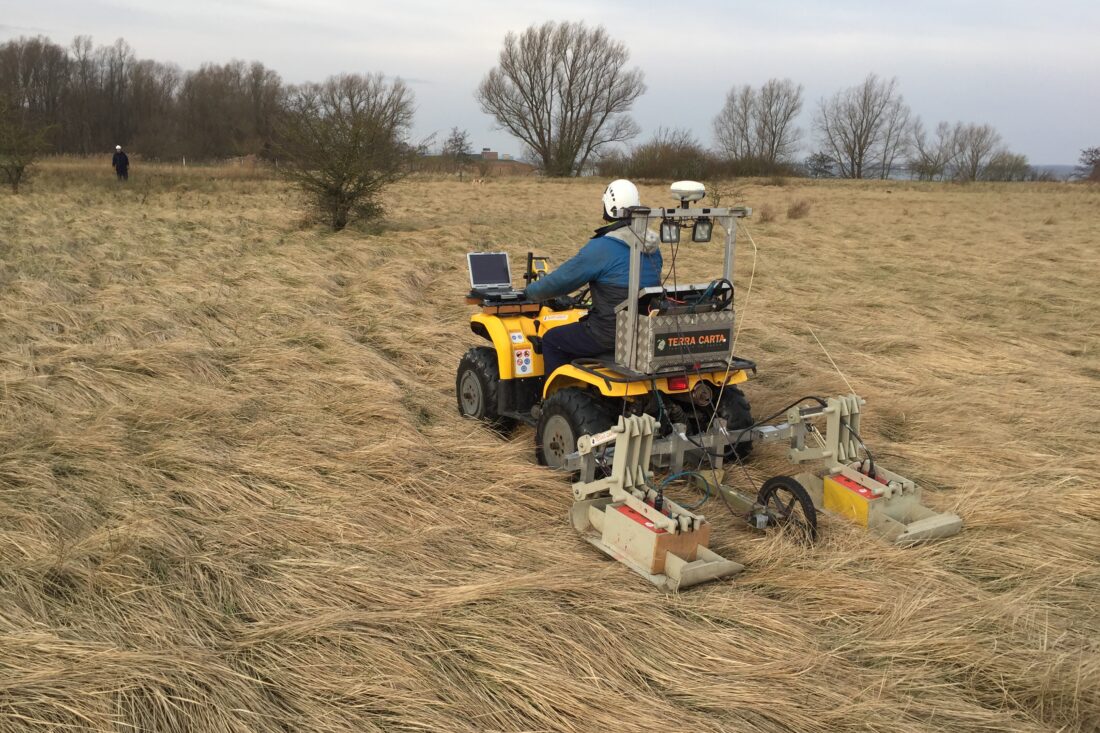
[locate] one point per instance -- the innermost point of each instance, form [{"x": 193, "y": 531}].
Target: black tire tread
[
  {"x": 586, "y": 413},
  {"x": 799, "y": 491},
  {"x": 482, "y": 360},
  {"x": 735, "y": 410}
]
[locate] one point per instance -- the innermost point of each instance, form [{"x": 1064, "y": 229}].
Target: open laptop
[{"x": 491, "y": 274}]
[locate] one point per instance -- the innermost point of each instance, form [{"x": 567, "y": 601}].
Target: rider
[{"x": 604, "y": 264}]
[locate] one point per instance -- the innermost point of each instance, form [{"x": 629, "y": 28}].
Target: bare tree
[
  {"x": 344, "y": 140},
  {"x": 819, "y": 165},
  {"x": 82, "y": 92},
  {"x": 117, "y": 61},
  {"x": 932, "y": 159},
  {"x": 264, "y": 92},
  {"x": 1089, "y": 167},
  {"x": 778, "y": 104},
  {"x": 733, "y": 127},
  {"x": 760, "y": 124},
  {"x": 456, "y": 150},
  {"x": 153, "y": 89},
  {"x": 897, "y": 136},
  {"x": 864, "y": 128},
  {"x": 33, "y": 75},
  {"x": 94, "y": 98},
  {"x": 975, "y": 146},
  {"x": 563, "y": 90}
]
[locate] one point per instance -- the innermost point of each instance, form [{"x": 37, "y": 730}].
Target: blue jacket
[{"x": 604, "y": 264}]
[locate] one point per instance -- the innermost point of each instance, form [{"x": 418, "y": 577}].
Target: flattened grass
[{"x": 235, "y": 494}]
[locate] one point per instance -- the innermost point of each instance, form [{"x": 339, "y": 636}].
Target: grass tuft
[{"x": 798, "y": 209}]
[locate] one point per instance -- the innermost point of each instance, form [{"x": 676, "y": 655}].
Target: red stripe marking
[
  {"x": 854, "y": 486},
  {"x": 640, "y": 519}
]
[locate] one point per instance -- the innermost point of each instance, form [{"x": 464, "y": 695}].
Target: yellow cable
[
  {"x": 748, "y": 292},
  {"x": 831, "y": 359},
  {"x": 737, "y": 333}
]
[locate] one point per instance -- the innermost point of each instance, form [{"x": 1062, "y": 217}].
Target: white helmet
[
  {"x": 118, "y": 147},
  {"x": 620, "y": 196}
]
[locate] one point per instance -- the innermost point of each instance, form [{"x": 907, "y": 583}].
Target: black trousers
[
  {"x": 123, "y": 174},
  {"x": 563, "y": 344}
]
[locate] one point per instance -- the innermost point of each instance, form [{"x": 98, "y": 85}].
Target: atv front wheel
[
  {"x": 565, "y": 416},
  {"x": 476, "y": 385}
]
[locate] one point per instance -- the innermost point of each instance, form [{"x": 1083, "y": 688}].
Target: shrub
[
  {"x": 343, "y": 141},
  {"x": 1089, "y": 168},
  {"x": 798, "y": 209},
  {"x": 675, "y": 154},
  {"x": 20, "y": 145},
  {"x": 766, "y": 214}
]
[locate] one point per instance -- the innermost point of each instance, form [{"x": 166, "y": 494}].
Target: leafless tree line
[
  {"x": 867, "y": 131},
  {"x": 966, "y": 152},
  {"x": 563, "y": 90},
  {"x": 341, "y": 141},
  {"x": 92, "y": 98},
  {"x": 864, "y": 131}
]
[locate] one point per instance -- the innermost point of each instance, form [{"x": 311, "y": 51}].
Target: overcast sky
[{"x": 1032, "y": 69}]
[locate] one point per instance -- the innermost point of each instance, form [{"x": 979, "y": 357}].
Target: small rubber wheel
[
  {"x": 565, "y": 416},
  {"x": 785, "y": 503},
  {"x": 476, "y": 386},
  {"x": 734, "y": 409}
]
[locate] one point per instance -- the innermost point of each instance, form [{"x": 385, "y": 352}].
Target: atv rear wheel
[
  {"x": 565, "y": 416},
  {"x": 476, "y": 386},
  {"x": 734, "y": 409}
]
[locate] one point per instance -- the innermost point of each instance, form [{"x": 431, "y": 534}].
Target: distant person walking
[{"x": 121, "y": 164}]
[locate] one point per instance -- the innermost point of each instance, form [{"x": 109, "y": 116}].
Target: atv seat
[{"x": 606, "y": 360}]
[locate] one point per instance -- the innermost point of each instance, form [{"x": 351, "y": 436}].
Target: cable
[
  {"x": 741, "y": 323},
  {"x": 734, "y": 443},
  {"x": 706, "y": 454},
  {"x": 748, "y": 291},
  {"x": 768, "y": 419},
  {"x": 866, "y": 450},
  {"x": 709, "y": 457},
  {"x": 672, "y": 264},
  {"x": 709, "y": 296},
  {"x": 681, "y": 474},
  {"x": 830, "y": 358},
  {"x": 691, "y": 401}
]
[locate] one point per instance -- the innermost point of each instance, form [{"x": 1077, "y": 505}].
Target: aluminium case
[{"x": 674, "y": 341}]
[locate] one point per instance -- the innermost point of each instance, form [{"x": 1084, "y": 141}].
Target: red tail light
[{"x": 677, "y": 383}]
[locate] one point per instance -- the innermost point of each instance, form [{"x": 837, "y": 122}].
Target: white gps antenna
[{"x": 687, "y": 192}]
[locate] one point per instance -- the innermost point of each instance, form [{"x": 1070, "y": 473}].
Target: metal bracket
[{"x": 628, "y": 520}]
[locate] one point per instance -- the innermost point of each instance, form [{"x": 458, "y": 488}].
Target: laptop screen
[{"x": 489, "y": 269}]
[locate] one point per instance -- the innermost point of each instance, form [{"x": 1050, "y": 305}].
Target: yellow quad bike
[
  {"x": 667, "y": 402},
  {"x": 673, "y": 354}
]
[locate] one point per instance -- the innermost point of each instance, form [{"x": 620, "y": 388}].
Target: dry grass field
[{"x": 235, "y": 493}]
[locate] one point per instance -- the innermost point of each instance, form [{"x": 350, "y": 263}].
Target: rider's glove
[{"x": 560, "y": 303}]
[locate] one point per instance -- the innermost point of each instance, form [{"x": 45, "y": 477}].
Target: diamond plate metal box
[{"x": 667, "y": 342}]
